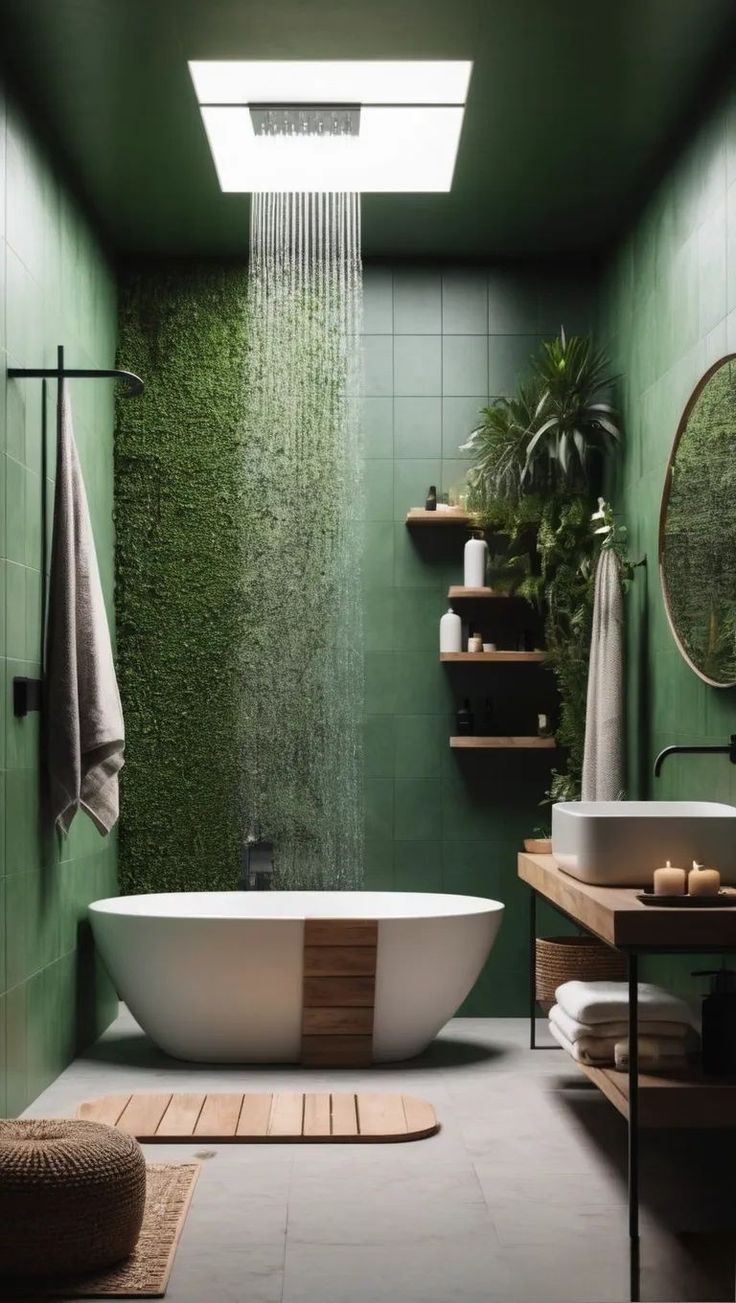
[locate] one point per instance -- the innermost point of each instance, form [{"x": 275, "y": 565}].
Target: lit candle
[
  {"x": 669, "y": 881},
  {"x": 703, "y": 882}
]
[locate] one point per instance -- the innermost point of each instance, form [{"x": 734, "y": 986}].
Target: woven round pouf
[{"x": 71, "y": 1196}]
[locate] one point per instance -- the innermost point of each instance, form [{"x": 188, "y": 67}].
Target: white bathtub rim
[{"x": 405, "y": 905}]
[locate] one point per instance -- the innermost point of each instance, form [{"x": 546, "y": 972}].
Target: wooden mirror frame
[{"x": 664, "y": 504}]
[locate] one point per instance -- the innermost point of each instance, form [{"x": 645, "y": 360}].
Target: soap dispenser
[
  {"x": 451, "y": 633},
  {"x": 719, "y": 1023}
]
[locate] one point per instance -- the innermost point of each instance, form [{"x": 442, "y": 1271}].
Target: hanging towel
[
  {"x": 85, "y": 736},
  {"x": 615, "y": 1031},
  {"x": 603, "y": 761},
  {"x": 600, "y": 1002}
]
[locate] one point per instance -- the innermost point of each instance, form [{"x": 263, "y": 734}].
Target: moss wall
[{"x": 179, "y": 599}]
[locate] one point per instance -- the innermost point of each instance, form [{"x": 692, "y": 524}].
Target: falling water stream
[{"x": 303, "y": 672}]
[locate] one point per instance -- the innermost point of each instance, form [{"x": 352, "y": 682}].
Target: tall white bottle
[
  {"x": 451, "y": 632},
  {"x": 476, "y": 551}
]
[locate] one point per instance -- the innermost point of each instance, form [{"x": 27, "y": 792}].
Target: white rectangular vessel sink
[{"x": 621, "y": 843}]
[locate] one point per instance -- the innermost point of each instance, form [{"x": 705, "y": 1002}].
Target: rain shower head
[{"x": 305, "y": 119}]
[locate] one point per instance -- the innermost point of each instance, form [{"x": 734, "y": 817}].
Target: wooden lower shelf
[
  {"x": 474, "y": 743},
  {"x": 687, "y": 1099},
  {"x": 497, "y": 657}
]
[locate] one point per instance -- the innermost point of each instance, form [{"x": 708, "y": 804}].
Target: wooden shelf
[
  {"x": 499, "y": 657},
  {"x": 684, "y": 1099},
  {"x": 474, "y": 743},
  {"x": 457, "y": 591},
  {"x": 453, "y": 516}
]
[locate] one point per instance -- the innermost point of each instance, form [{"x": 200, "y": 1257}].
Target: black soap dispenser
[
  {"x": 719, "y": 1023},
  {"x": 465, "y": 720}
]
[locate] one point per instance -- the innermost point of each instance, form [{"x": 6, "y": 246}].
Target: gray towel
[
  {"x": 603, "y": 763},
  {"x": 85, "y": 737}
]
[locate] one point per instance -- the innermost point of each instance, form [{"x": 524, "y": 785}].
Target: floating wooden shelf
[
  {"x": 453, "y": 516},
  {"x": 475, "y": 743},
  {"x": 686, "y": 1099},
  {"x": 476, "y": 594},
  {"x": 500, "y": 657}
]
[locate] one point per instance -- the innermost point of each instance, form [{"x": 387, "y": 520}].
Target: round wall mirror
[{"x": 697, "y": 529}]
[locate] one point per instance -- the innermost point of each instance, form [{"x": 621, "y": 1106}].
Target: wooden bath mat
[
  {"x": 248, "y": 1119},
  {"x": 145, "y": 1274}
]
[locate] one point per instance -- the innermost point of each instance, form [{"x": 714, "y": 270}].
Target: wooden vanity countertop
[{"x": 616, "y": 916}]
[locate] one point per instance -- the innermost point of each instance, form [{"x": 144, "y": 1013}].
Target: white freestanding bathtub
[{"x": 217, "y": 976}]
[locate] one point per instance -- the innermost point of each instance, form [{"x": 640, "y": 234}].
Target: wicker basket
[
  {"x": 562, "y": 959},
  {"x": 72, "y": 1196}
]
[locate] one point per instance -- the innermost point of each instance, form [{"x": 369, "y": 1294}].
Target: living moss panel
[{"x": 179, "y": 518}]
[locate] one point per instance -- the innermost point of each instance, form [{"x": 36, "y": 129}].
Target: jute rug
[
  {"x": 283, "y": 1117},
  {"x": 146, "y": 1273}
]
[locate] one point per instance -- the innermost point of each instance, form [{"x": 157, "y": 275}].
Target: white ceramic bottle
[
  {"x": 451, "y": 632},
  {"x": 476, "y": 551}
]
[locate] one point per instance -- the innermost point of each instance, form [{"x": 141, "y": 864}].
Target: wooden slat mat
[{"x": 286, "y": 1116}]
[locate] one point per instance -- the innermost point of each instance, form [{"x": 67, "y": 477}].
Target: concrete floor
[{"x": 520, "y": 1197}]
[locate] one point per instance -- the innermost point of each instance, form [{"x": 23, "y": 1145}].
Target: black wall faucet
[{"x": 729, "y": 750}]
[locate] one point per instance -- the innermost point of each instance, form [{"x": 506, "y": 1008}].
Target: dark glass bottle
[
  {"x": 719, "y": 1023},
  {"x": 431, "y": 503},
  {"x": 465, "y": 719}
]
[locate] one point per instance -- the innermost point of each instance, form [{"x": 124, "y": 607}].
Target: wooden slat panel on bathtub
[
  {"x": 344, "y": 1115},
  {"x": 337, "y": 1051},
  {"x": 254, "y": 1115},
  {"x": 287, "y": 1114},
  {"x": 346, "y": 1021},
  {"x": 316, "y": 1116},
  {"x": 180, "y": 1118},
  {"x": 336, "y": 992},
  {"x": 341, "y": 961},
  {"x": 380, "y": 1115},
  {"x": 106, "y": 1110},
  {"x": 220, "y": 1115},
  {"x": 142, "y": 1115},
  {"x": 340, "y": 932}
]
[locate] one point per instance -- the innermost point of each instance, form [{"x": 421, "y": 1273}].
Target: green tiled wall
[
  {"x": 55, "y": 287},
  {"x": 669, "y": 308},
  {"x": 437, "y": 343},
  {"x": 670, "y": 311}
]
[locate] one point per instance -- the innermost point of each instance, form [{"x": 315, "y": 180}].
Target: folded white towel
[
  {"x": 593, "y": 1050},
  {"x": 575, "y": 1031},
  {"x": 656, "y": 1054},
  {"x": 601, "y": 1002}
]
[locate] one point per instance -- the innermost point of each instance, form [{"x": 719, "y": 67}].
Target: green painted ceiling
[{"x": 571, "y": 104}]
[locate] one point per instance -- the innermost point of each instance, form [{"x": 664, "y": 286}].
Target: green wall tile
[
  {"x": 378, "y": 302},
  {"x": 379, "y": 808},
  {"x": 378, "y": 746},
  {"x": 464, "y": 365},
  {"x": 418, "y": 814},
  {"x": 378, "y": 426},
  {"x": 509, "y": 359},
  {"x": 460, "y": 416},
  {"x": 419, "y": 740},
  {"x": 412, "y": 479},
  {"x": 418, "y": 865},
  {"x": 379, "y": 489},
  {"x": 417, "y": 304},
  {"x": 378, "y": 365},
  {"x": 464, "y": 302},
  {"x": 418, "y": 365},
  {"x": 418, "y": 427}
]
